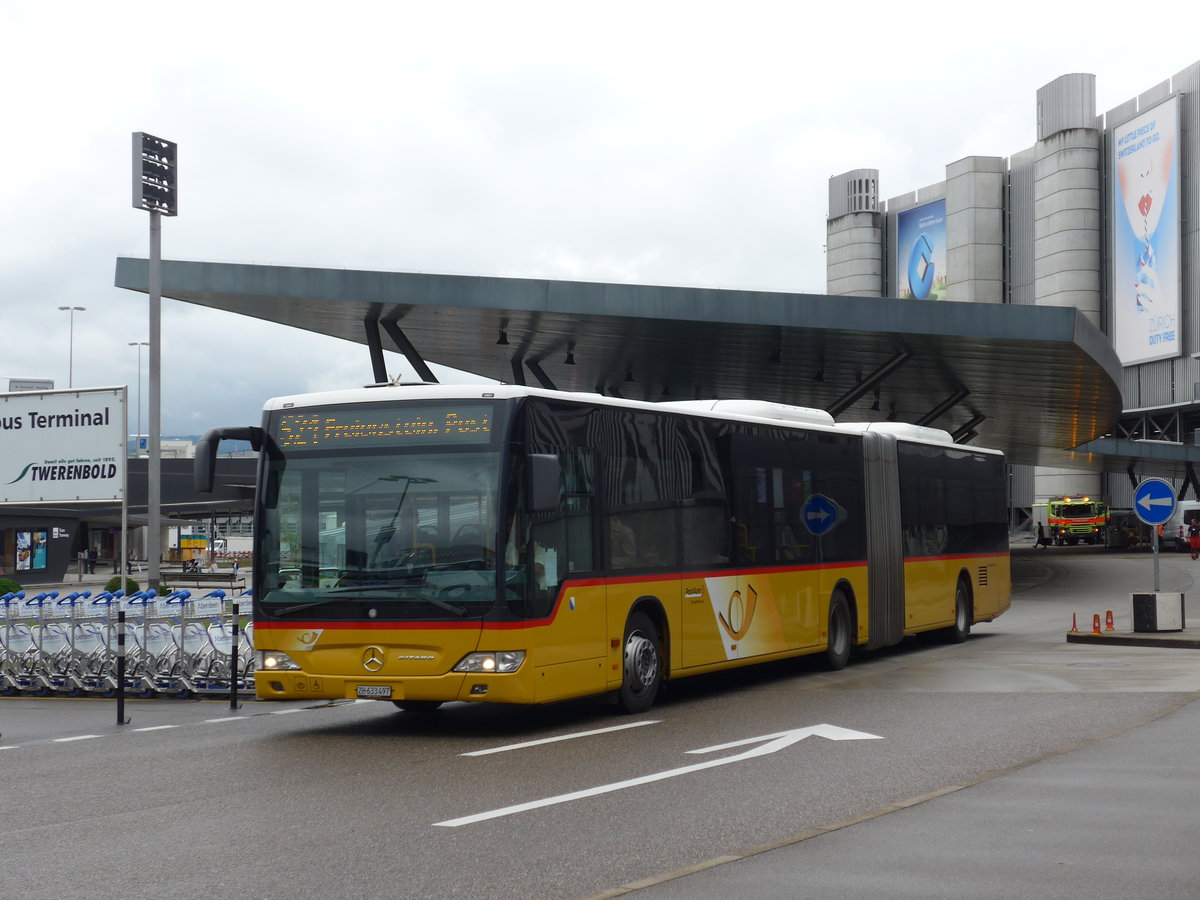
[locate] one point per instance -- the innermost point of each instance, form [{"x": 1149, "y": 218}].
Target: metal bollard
[
  {"x": 121, "y": 720},
  {"x": 235, "y": 669}
]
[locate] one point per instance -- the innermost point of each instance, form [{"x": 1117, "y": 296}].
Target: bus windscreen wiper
[
  {"x": 403, "y": 593},
  {"x": 407, "y": 595},
  {"x": 287, "y": 610}
]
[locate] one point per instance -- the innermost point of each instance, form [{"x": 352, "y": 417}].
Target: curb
[{"x": 1177, "y": 639}]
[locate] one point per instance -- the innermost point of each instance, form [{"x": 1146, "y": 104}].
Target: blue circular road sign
[
  {"x": 1154, "y": 501},
  {"x": 819, "y": 514}
]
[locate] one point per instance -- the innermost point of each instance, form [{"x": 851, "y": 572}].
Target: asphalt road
[{"x": 1012, "y": 765}]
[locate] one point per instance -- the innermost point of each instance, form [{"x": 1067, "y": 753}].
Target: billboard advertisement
[
  {"x": 1145, "y": 235},
  {"x": 31, "y": 550},
  {"x": 921, "y": 252},
  {"x": 62, "y": 446}
]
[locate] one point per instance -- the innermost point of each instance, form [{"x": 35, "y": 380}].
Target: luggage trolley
[
  {"x": 212, "y": 669},
  {"x": 190, "y": 645},
  {"x": 52, "y": 641},
  {"x": 19, "y": 650},
  {"x": 83, "y": 645},
  {"x": 158, "y": 667}
]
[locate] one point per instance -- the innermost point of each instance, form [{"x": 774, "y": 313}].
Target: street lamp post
[
  {"x": 71, "y": 345},
  {"x": 137, "y": 440},
  {"x": 155, "y": 189}
]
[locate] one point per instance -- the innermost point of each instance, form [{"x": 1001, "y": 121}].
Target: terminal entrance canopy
[{"x": 1035, "y": 382}]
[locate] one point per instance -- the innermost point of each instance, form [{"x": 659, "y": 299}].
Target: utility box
[{"x": 1157, "y": 612}]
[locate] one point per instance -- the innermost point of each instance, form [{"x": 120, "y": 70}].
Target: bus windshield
[{"x": 404, "y": 532}]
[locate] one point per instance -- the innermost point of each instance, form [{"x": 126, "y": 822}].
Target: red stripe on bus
[
  {"x": 425, "y": 624},
  {"x": 953, "y": 556}
]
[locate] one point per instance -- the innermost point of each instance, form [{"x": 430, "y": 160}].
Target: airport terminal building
[
  {"x": 1102, "y": 214},
  {"x": 1067, "y": 336}
]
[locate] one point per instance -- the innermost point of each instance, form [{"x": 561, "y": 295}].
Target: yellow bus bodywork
[{"x": 710, "y": 621}]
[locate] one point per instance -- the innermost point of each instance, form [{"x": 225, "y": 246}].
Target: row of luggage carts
[{"x": 175, "y": 645}]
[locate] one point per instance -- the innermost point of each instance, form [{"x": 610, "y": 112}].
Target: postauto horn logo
[{"x": 921, "y": 270}]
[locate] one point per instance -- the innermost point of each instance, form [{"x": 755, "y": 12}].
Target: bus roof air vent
[
  {"x": 763, "y": 409},
  {"x": 904, "y": 430}
]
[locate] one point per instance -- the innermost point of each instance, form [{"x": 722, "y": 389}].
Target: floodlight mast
[{"x": 155, "y": 190}]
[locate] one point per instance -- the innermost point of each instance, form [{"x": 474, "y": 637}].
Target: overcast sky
[{"x": 669, "y": 143}]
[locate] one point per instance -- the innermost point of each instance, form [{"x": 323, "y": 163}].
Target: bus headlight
[
  {"x": 273, "y": 661},
  {"x": 501, "y": 661}
]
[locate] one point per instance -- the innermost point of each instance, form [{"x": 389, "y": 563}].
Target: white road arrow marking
[
  {"x": 767, "y": 744},
  {"x": 829, "y": 732}
]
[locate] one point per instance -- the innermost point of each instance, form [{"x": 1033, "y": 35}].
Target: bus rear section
[{"x": 938, "y": 536}]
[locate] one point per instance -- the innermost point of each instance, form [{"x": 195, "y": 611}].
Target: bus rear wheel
[
  {"x": 642, "y": 667},
  {"x": 837, "y": 653},
  {"x": 957, "y": 633}
]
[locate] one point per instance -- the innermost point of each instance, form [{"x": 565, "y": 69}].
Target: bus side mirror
[
  {"x": 545, "y": 477},
  {"x": 206, "y": 452}
]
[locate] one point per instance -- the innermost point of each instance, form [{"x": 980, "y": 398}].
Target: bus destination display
[{"x": 327, "y": 429}]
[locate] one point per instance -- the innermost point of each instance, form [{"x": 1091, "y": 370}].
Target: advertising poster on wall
[
  {"x": 921, "y": 252},
  {"x": 62, "y": 446},
  {"x": 31, "y": 550},
  {"x": 24, "y": 550},
  {"x": 1145, "y": 251}
]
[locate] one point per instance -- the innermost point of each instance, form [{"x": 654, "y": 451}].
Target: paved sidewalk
[{"x": 1114, "y": 818}]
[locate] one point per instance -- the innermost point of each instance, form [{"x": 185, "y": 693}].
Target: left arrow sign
[{"x": 767, "y": 744}]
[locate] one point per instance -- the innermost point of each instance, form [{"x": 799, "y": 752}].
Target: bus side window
[
  {"x": 622, "y": 543},
  {"x": 704, "y": 532}
]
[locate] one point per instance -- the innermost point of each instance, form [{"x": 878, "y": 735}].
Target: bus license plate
[{"x": 375, "y": 691}]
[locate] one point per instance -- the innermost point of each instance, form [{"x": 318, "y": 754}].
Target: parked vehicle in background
[
  {"x": 1074, "y": 520},
  {"x": 1174, "y": 533},
  {"x": 234, "y": 546}
]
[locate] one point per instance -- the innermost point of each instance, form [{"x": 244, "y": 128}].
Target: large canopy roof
[{"x": 1034, "y": 381}]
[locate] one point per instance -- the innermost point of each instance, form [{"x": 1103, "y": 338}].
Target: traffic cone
[
  {"x": 1096, "y": 624},
  {"x": 1074, "y": 625},
  {"x": 1108, "y": 621}
]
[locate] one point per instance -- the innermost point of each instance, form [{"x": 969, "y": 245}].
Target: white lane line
[
  {"x": 156, "y": 728},
  {"x": 10, "y": 747},
  {"x": 284, "y": 712},
  {"x": 561, "y": 737},
  {"x": 78, "y": 737},
  {"x": 227, "y": 719}
]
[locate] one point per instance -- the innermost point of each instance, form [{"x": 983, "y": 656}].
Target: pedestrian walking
[
  {"x": 1194, "y": 537},
  {"x": 1041, "y": 537}
]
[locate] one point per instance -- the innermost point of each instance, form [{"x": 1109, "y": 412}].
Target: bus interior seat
[{"x": 468, "y": 535}]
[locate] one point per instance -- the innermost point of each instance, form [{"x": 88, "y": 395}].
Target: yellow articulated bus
[{"x": 429, "y": 543}]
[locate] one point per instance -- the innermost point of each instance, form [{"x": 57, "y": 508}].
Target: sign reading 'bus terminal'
[{"x": 62, "y": 446}]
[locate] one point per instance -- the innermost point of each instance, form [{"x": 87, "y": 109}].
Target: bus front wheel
[
  {"x": 642, "y": 669},
  {"x": 837, "y": 654}
]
